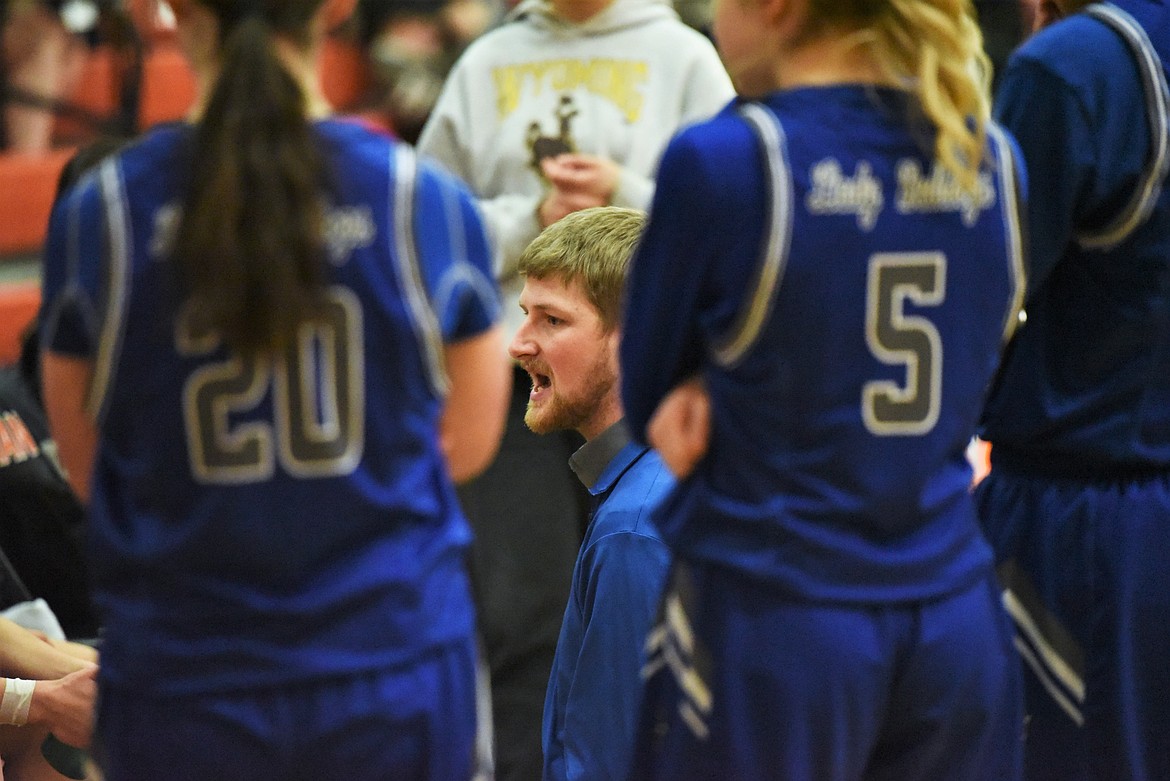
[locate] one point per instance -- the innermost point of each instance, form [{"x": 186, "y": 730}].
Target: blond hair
[
  {"x": 935, "y": 48},
  {"x": 592, "y": 247}
]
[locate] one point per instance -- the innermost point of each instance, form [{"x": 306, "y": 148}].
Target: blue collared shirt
[{"x": 595, "y": 687}]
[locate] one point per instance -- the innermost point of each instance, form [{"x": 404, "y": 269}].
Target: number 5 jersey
[{"x": 846, "y": 304}]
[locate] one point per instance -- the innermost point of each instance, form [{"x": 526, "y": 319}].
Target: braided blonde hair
[{"x": 935, "y": 48}]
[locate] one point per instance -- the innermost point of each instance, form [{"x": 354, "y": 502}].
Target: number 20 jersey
[
  {"x": 846, "y": 304},
  {"x": 256, "y": 522}
]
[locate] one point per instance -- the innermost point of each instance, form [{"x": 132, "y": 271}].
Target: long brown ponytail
[{"x": 249, "y": 247}]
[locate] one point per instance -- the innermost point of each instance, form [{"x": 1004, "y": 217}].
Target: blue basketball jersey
[
  {"x": 262, "y": 521},
  {"x": 846, "y": 304},
  {"x": 1076, "y": 504},
  {"x": 1085, "y": 388}
]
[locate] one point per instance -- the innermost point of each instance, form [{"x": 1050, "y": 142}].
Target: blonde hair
[
  {"x": 935, "y": 48},
  {"x": 593, "y": 247}
]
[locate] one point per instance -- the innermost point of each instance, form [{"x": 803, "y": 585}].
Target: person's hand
[
  {"x": 583, "y": 175},
  {"x": 65, "y": 706},
  {"x": 559, "y": 204},
  {"x": 680, "y": 429}
]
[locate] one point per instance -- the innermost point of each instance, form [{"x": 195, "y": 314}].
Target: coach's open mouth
[{"x": 540, "y": 383}]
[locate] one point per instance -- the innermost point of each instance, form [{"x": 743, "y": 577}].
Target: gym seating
[
  {"x": 19, "y": 302},
  {"x": 28, "y": 184}
]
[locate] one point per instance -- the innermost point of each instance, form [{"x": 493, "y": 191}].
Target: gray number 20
[{"x": 318, "y": 402}]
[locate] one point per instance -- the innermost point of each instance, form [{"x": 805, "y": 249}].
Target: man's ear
[
  {"x": 614, "y": 338},
  {"x": 776, "y": 12}
]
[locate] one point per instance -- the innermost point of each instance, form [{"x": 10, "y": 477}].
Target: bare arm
[
  {"x": 473, "y": 418},
  {"x": 27, "y": 654},
  {"x": 680, "y": 428},
  {"x": 65, "y": 674},
  {"x": 66, "y": 382}
]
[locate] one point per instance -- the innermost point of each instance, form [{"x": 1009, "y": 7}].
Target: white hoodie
[{"x": 618, "y": 85}]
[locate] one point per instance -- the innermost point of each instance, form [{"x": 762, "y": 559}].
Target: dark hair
[{"x": 249, "y": 246}]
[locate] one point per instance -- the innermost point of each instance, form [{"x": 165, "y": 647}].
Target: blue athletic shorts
[
  {"x": 1086, "y": 570},
  {"x": 416, "y": 723},
  {"x": 745, "y": 684}
]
